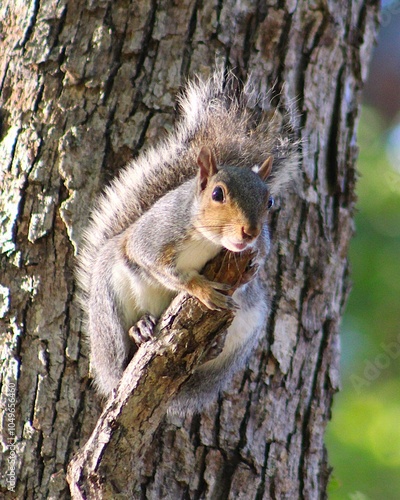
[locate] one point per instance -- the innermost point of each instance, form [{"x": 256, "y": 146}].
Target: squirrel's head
[{"x": 234, "y": 201}]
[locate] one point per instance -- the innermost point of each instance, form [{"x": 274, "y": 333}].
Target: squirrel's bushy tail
[
  {"x": 230, "y": 118},
  {"x": 240, "y": 125}
]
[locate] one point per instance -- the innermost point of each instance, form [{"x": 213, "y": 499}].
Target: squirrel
[{"x": 208, "y": 186}]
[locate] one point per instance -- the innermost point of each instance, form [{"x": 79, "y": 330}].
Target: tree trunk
[{"x": 83, "y": 87}]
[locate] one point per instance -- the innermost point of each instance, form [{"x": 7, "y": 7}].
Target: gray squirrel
[{"x": 208, "y": 186}]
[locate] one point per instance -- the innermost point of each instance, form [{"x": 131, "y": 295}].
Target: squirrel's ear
[
  {"x": 266, "y": 168},
  {"x": 207, "y": 166}
]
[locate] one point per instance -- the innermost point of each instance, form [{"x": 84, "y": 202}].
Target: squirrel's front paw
[
  {"x": 143, "y": 330},
  {"x": 210, "y": 293},
  {"x": 215, "y": 299}
]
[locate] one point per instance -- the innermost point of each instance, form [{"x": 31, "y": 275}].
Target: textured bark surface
[{"x": 84, "y": 85}]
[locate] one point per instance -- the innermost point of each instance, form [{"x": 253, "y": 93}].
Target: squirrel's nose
[{"x": 249, "y": 233}]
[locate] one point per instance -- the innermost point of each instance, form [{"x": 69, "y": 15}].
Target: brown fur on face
[{"x": 233, "y": 202}]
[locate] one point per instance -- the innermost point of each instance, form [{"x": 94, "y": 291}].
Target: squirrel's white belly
[
  {"x": 149, "y": 298},
  {"x": 138, "y": 296}
]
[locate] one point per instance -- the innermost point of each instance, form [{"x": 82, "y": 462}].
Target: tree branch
[{"x": 124, "y": 430}]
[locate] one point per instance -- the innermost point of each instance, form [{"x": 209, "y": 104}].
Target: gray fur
[{"x": 141, "y": 200}]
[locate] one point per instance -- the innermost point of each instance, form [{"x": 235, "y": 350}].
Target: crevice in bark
[
  {"x": 360, "y": 30},
  {"x": 261, "y": 488},
  {"x": 218, "y": 10},
  {"x": 349, "y": 196},
  {"x": 313, "y": 400},
  {"x": 201, "y": 489},
  {"x": 317, "y": 155},
  {"x": 301, "y": 228},
  {"x": 194, "y": 431},
  {"x": 242, "y": 430},
  {"x": 64, "y": 334},
  {"x": 217, "y": 425},
  {"x": 40, "y": 462},
  {"x": 146, "y": 39},
  {"x": 234, "y": 458},
  {"x": 305, "y": 289},
  {"x": 303, "y": 453},
  {"x": 12, "y": 151},
  {"x": 187, "y": 48},
  {"x": 248, "y": 45},
  {"x": 38, "y": 99},
  {"x": 261, "y": 373},
  {"x": 31, "y": 25},
  {"x": 325, "y": 473},
  {"x": 6, "y": 68},
  {"x": 186, "y": 493},
  {"x": 76, "y": 427},
  {"x": 106, "y": 170},
  {"x": 272, "y": 485},
  {"x": 18, "y": 234},
  {"x": 301, "y": 78},
  {"x": 63, "y": 194},
  {"x": 303, "y": 67},
  {"x": 140, "y": 84},
  {"x": 117, "y": 47},
  {"x": 337, "y": 229},
  {"x": 274, "y": 299},
  {"x": 299, "y": 386},
  {"x": 324, "y": 230},
  {"x": 282, "y": 50},
  {"x": 59, "y": 27},
  {"x": 332, "y": 153},
  {"x": 346, "y": 286},
  {"x": 229, "y": 466},
  {"x": 142, "y": 138}
]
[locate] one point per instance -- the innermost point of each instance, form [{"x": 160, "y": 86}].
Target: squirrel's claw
[
  {"x": 220, "y": 286},
  {"x": 143, "y": 330},
  {"x": 211, "y": 293},
  {"x": 218, "y": 301},
  {"x": 250, "y": 272}
]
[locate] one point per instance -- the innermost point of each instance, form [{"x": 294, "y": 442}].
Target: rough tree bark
[{"x": 84, "y": 85}]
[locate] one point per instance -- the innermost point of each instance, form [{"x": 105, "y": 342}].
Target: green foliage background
[{"x": 363, "y": 438}]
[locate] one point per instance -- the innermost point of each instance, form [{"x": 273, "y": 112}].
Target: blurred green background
[{"x": 363, "y": 438}]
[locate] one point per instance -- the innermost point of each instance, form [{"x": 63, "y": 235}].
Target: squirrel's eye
[
  {"x": 271, "y": 202},
  {"x": 218, "y": 194}
]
